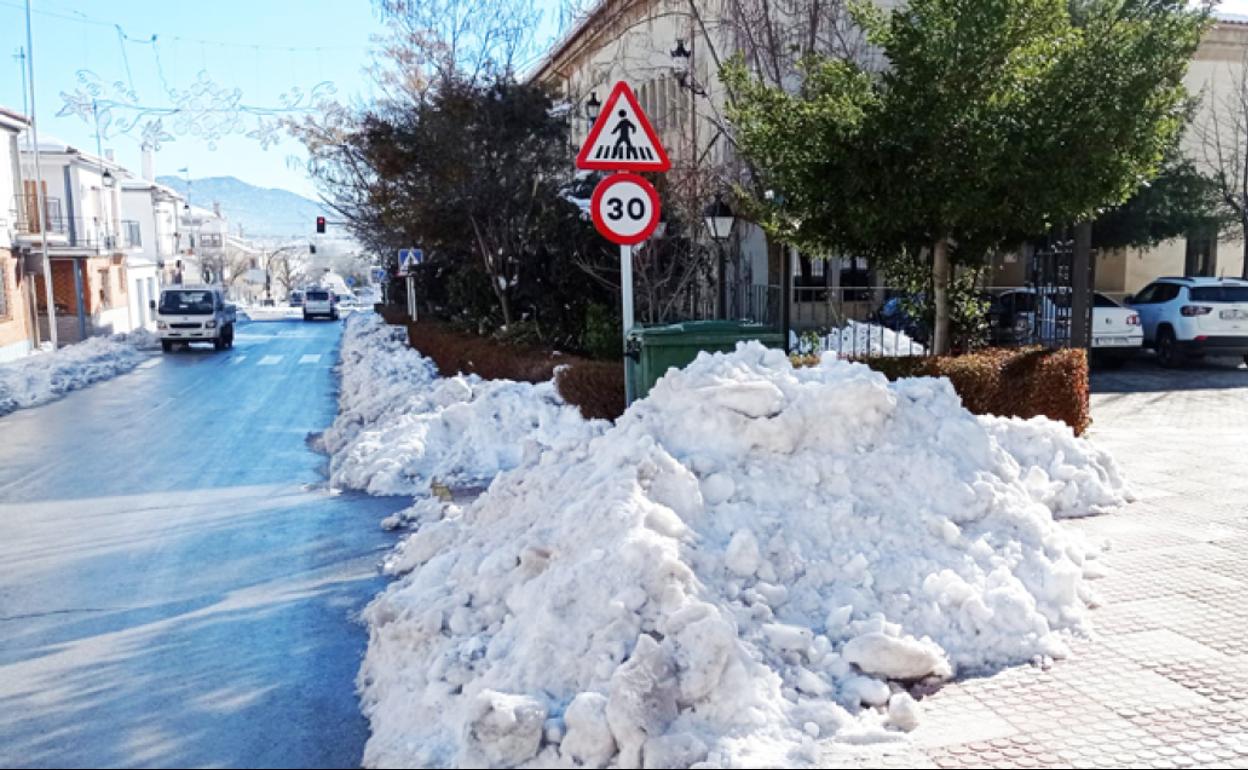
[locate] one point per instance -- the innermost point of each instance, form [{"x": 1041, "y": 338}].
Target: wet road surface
[{"x": 177, "y": 585}]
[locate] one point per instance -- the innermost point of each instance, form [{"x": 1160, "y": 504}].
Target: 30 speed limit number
[{"x": 625, "y": 208}]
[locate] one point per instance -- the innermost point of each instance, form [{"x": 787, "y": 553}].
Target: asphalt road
[{"x": 177, "y": 585}]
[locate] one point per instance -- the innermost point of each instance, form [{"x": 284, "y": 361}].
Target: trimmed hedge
[
  {"x": 595, "y": 387},
  {"x": 1010, "y": 382},
  {"x": 392, "y": 314}
]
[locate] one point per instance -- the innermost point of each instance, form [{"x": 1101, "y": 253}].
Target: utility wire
[{"x": 82, "y": 18}]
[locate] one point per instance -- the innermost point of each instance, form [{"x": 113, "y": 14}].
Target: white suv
[{"x": 1185, "y": 317}]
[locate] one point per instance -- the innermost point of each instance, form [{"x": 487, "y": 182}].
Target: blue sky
[{"x": 262, "y": 48}]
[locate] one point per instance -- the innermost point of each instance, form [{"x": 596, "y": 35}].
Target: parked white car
[
  {"x": 320, "y": 302},
  {"x": 1192, "y": 317},
  {"x": 187, "y": 314},
  {"x": 1116, "y": 330}
]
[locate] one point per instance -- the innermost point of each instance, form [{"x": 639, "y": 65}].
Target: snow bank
[
  {"x": 400, "y": 425},
  {"x": 750, "y": 556},
  {"x": 1069, "y": 475},
  {"x": 139, "y": 338},
  {"x": 858, "y": 339},
  {"x": 43, "y": 377}
]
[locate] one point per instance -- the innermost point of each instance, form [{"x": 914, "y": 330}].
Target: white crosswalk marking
[
  {"x": 310, "y": 359},
  {"x": 236, "y": 360},
  {"x": 270, "y": 361}
]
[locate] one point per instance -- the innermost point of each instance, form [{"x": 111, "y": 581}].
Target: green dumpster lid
[{"x": 702, "y": 327}]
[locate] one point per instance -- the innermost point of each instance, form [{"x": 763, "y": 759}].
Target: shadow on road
[{"x": 1144, "y": 375}]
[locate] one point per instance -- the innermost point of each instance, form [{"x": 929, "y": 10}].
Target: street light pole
[
  {"x": 719, "y": 219},
  {"x": 41, "y": 197}
]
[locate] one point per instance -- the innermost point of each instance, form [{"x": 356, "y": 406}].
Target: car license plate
[
  {"x": 1103, "y": 342},
  {"x": 1232, "y": 314}
]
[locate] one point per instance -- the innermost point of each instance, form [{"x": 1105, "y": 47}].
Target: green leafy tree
[
  {"x": 993, "y": 121},
  {"x": 1179, "y": 201},
  {"x": 475, "y": 174}
]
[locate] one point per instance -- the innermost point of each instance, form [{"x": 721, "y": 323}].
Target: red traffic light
[{"x": 320, "y": 224}]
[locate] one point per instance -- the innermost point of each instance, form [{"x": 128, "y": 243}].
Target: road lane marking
[
  {"x": 236, "y": 360},
  {"x": 270, "y": 361},
  {"x": 310, "y": 359}
]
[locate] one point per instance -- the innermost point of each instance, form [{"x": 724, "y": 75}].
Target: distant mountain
[{"x": 264, "y": 212}]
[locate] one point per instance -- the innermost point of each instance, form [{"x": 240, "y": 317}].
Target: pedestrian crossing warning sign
[{"x": 622, "y": 138}]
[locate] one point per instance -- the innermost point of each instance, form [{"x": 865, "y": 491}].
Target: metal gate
[{"x": 1061, "y": 280}]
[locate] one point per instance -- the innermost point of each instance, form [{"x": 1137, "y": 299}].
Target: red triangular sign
[{"x": 622, "y": 138}]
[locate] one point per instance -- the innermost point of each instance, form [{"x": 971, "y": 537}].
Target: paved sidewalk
[{"x": 1165, "y": 681}]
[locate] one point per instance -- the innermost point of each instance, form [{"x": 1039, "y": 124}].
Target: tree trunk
[
  {"x": 941, "y": 341},
  {"x": 491, "y": 269},
  {"x": 1243, "y": 269}
]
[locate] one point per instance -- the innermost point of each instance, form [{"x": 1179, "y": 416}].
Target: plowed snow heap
[{"x": 743, "y": 561}]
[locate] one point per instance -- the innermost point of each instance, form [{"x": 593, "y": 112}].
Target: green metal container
[{"x": 655, "y": 349}]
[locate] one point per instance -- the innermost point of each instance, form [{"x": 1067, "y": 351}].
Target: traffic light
[
  {"x": 311, "y": 248},
  {"x": 320, "y": 224}
]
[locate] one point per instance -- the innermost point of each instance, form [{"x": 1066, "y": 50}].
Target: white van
[{"x": 320, "y": 302}]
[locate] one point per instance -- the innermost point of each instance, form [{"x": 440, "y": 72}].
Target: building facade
[
  {"x": 669, "y": 56},
  {"x": 17, "y": 321},
  {"x": 671, "y": 53},
  {"x": 88, "y": 241},
  {"x": 1216, "y": 73},
  {"x": 155, "y": 210},
  {"x": 638, "y": 41}
]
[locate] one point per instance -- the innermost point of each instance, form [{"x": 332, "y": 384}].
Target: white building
[
  {"x": 17, "y": 322},
  {"x": 202, "y": 253},
  {"x": 156, "y": 211},
  {"x": 89, "y": 240}
]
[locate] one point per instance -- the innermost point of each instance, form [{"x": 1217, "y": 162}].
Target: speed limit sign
[{"x": 625, "y": 208}]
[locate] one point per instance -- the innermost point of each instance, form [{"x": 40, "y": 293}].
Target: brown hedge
[
  {"x": 392, "y": 314},
  {"x": 1011, "y": 382},
  {"x": 596, "y": 387}
]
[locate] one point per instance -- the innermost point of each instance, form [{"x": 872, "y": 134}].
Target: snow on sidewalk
[
  {"x": 43, "y": 377},
  {"x": 753, "y": 559}
]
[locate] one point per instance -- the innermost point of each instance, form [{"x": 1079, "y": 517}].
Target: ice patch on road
[
  {"x": 45, "y": 376},
  {"x": 751, "y": 557}
]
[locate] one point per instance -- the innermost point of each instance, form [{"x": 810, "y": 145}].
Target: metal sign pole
[
  {"x": 41, "y": 195},
  {"x": 626, "y": 286}
]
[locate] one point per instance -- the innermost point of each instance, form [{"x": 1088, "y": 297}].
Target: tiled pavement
[{"x": 1164, "y": 681}]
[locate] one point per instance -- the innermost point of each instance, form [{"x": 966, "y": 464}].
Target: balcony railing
[
  {"x": 78, "y": 232},
  {"x": 28, "y": 221}
]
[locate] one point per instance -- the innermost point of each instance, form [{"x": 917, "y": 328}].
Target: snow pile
[
  {"x": 400, "y": 426},
  {"x": 142, "y": 339},
  {"x": 1070, "y": 476},
  {"x": 750, "y": 556},
  {"x": 858, "y": 339},
  {"x": 43, "y": 377}
]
